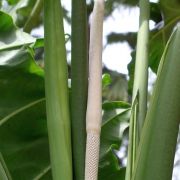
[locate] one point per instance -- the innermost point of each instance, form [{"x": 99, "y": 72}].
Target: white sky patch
[
  {"x": 66, "y": 4},
  {"x": 38, "y": 32},
  {"x": 151, "y": 81},
  {"x": 117, "y": 56},
  {"x": 155, "y": 1},
  {"x": 151, "y": 24},
  {"x": 122, "y": 20}
]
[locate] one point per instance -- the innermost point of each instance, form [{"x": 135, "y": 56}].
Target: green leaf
[
  {"x": 23, "y": 130},
  {"x": 109, "y": 168},
  {"x": 159, "y": 37},
  {"x": 10, "y": 36},
  {"x": 115, "y": 105},
  {"x": 111, "y": 137},
  {"x": 12, "y": 2},
  {"x": 113, "y": 108},
  {"x": 110, "y": 132},
  {"x": 106, "y": 80},
  {"x": 6, "y": 22},
  {"x": 39, "y": 43},
  {"x": 170, "y": 9}
]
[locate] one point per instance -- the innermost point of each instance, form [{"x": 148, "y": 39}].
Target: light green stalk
[
  {"x": 141, "y": 66},
  {"x": 56, "y": 85},
  {"x": 159, "y": 137},
  {"x": 140, "y": 88},
  {"x": 79, "y": 84}
]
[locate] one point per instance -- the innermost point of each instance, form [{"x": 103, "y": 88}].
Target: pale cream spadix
[
  {"x": 94, "y": 110},
  {"x": 93, "y": 117}
]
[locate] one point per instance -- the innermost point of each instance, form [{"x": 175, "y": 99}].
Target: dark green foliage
[
  {"x": 111, "y": 138},
  {"x": 23, "y": 131},
  {"x": 109, "y": 167}
]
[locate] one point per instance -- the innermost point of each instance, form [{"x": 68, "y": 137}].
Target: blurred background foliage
[
  {"x": 27, "y": 15},
  {"x": 165, "y": 14}
]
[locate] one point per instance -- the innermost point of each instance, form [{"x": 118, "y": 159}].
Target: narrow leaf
[
  {"x": 56, "y": 85},
  {"x": 23, "y": 130},
  {"x": 158, "y": 142}
]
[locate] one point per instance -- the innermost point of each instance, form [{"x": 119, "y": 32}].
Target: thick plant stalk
[
  {"x": 140, "y": 88},
  {"x": 79, "y": 85},
  {"x": 94, "y": 110},
  {"x": 56, "y": 86},
  {"x": 159, "y": 137}
]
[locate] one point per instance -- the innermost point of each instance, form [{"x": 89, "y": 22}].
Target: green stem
[
  {"x": 132, "y": 147},
  {"x": 79, "y": 76},
  {"x": 4, "y": 172},
  {"x": 140, "y": 89},
  {"x": 56, "y": 85},
  {"x": 32, "y": 20},
  {"x": 141, "y": 67}
]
